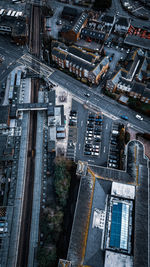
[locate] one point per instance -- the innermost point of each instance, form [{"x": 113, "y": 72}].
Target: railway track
[{"x": 23, "y": 250}]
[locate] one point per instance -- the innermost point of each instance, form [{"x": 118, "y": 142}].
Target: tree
[
  {"x": 47, "y": 257},
  {"x": 61, "y": 181},
  {"x": 127, "y": 137},
  {"x": 102, "y": 4}
]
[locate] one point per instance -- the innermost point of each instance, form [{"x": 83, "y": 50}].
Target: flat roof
[
  {"x": 123, "y": 190},
  {"x": 113, "y": 259}
]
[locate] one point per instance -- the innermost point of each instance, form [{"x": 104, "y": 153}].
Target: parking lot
[
  {"x": 72, "y": 136},
  {"x": 97, "y": 144},
  {"x": 93, "y": 135}
]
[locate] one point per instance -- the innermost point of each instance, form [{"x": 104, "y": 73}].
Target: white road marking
[
  {"x": 79, "y": 146},
  {"x": 104, "y": 149},
  {"x": 106, "y": 126},
  {"x": 81, "y": 123}
]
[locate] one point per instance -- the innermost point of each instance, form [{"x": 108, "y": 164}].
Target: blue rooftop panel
[{"x": 116, "y": 225}]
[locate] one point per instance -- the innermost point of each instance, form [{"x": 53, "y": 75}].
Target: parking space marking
[
  {"x": 104, "y": 149},
  {"x": 81, "y": 123},
  {"x": 106, "y": 126},
  {"x": 79, "y": 146}
]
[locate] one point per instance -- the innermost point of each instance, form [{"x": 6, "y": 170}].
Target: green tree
[
  {"x": 46, "y": 256},
  {"x": 61, "y": 182}
]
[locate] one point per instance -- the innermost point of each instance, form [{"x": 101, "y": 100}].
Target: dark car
[
  {"x": 124, "y": 117},
  {"x": 113, "y": 157},
  {"x": 87, "y": 153},
  {"x": 97, "y": 139},
  {"x": 88, "y": 145},
  {"x": 113, "y": 143}
]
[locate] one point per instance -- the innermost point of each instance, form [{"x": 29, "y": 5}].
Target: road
[{"x": 110, "y": 107}]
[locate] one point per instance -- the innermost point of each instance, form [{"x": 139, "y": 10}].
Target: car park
[{"x": 93, "y": 135}]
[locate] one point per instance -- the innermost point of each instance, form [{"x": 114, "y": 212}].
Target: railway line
[{"x": 34, "y": 45}]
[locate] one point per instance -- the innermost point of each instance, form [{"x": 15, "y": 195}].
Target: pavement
[{"x": 107, "y": 105}]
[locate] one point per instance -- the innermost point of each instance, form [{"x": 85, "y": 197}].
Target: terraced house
[
  {"x": 86, "y": 66},
  {"x": 133, "y": 78}
]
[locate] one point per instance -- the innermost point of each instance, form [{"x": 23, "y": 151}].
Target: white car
[{"x": 139, "y": 117}]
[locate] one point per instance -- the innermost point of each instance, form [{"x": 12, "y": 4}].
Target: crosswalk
[{"x": 35, "y": 65}]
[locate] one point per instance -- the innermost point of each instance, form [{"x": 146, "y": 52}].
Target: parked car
[
  {"x": 113, "y": 157},
  {"x": 87, "y": 153}
]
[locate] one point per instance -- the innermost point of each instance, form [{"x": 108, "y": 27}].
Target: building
[
  {"x": 131, "y": 80},
  {"x": 15, "y": 26},
  {"x": 114, "y": 259},
  {"x": 70, "y": 13},
  {"x": 112, "y": 84},
  {"x": 119, "y": 225},
  {"x": 92, "y": 35},
  {"x": 122, "y": 24},
  {"x": 110, "y": 226},
  {"x": 4, "y": 117},
  {"x": 82, "y": 64},
  {"x": 108, "y": 20},
  {"x": 72, "y": 33}
]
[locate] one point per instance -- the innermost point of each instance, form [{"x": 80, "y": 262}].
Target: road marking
[
  {"x": 81, "y": 123},
  {"x": 79, "y": 146},
  {"x": 106, "y": 126},
  {"x": 104, "y": 149}
]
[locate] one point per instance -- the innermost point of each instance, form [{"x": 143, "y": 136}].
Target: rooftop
[
  {"x": 137, "y": 41},
  {"x": 113, "y": 259},
  {"x": 124, "y": 190}
]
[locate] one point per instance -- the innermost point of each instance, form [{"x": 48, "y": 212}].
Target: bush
[
  {"x": 61, "y": 182},
  {"x": 47, "y": 256}
]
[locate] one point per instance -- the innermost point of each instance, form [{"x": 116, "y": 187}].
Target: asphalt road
[
  {"x": 11, "y": 53},
  {"x": 108, "y": 106}
]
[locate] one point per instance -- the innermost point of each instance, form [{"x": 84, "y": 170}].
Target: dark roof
[
  {"x": 79, "y": 53},
  {"x": 146, "y": 93},
  {"x": 137, "y": 41},
  {"x": 51, "y": 97},
  {"x": 138, "y": 88},
  {"x": 94, "y": 255},
  {"x": 123, "y": 21},
  {"x": 93, "y": 34},
  {"x": 3, "y": 140},
  {"x": 4, "y": 114},
  {"x": 99, "y": 67},
  {"x": 108, "y": 19},
  {"x": 79, "y": 23},
  {"x": 79, "y": 62},
  {"x": 66, "y": 28},
  {"x": 57, "y": 52},
  {"x": 50, "y": 111},
  {"x": 69, "y": 11},
  {"x": 141, "y": 202}
]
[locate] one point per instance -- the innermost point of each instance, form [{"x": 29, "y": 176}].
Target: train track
[{"x": 34, "y": 43}]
